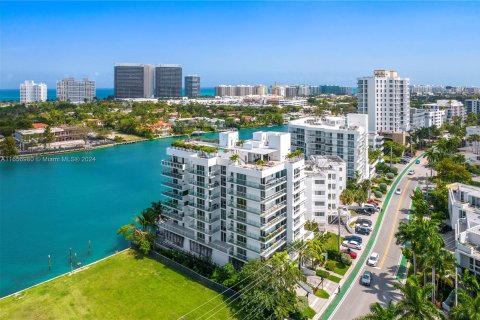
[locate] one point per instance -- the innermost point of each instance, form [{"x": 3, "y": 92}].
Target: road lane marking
[{"x": 392, "y": 231}]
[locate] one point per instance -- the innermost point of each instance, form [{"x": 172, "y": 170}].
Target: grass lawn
[
  {"x": 341, "y": 268},
  {"x": 333, "y": 278},
  {"x": 309, "y": 313},
  {"x": 120, "y": 287},
  {"x": 332, "y": 241},
  {"x": 322, "y": 294}
]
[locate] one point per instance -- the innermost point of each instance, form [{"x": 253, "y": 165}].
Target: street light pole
[
  {"x": 338, "y": 213},
  {"x": 456, "y": 269}
]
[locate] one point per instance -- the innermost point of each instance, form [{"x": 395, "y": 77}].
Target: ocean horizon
[{"x": 102, "y": 93}]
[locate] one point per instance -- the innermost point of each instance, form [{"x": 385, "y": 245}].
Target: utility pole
[
  {"x": 456, "y": 271},
  {"x": 391, "y": 157},
  {"x": 338, "y": 212}
]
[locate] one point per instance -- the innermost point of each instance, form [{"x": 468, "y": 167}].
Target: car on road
[
  {"x": 352, "y": 244},
  {"x": 411, "y": 172},
  {"x": 373, "y": 260},
  {"x": 351, "y": 253},
  {"x": 366, "y": 278},
  {"x": 417, "y": 161},
  {"x": 354, "y": 238},
  {"x": 398, "y": 191},
  {"x": 362, "y": 230}
]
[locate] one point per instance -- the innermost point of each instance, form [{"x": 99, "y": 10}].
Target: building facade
[
  {"x": 472, "y": 106},
  {"x": 76, "y": 91},
  {"x": 192, "y": 86},
  {"x": 33, "y": 92},
  {"x": 385, "y": 97},
  {"x": 453, "y": 109},
  {"x": 62, "y": 137},
  {"x": 429, "y": 115},
  {"x": 168, "y": 79},
  {"x": 240, "y": 90},
  {"x": 243, "y": 203},
  {"x": 464, "y": 209},
  {"x": 346, "y": 137},
  {"x": 133, "y": 81},
  {"x": 325, "y": 179}
]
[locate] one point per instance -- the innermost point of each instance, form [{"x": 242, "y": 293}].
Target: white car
[
  {"x": 411, "y": 172},
  {"x": 352, "y": 244},
  {"x": 398, "y": 191},
  {"x": 365, "y": 225},
  {"x": 373, "y": 260}
]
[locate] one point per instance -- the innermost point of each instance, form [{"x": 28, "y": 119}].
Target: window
[
  {"x": 319, "y": 214},
  {"x": 319, "y": 193},
  {"x": 319, "y": 181},
  {"x": 319, "y": 203}
]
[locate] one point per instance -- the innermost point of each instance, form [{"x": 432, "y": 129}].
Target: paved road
[{"x": 357, "y": 301}]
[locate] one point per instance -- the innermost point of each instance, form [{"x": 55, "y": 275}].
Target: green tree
[
  {"x": 468, "y": 307},
  {"x": 270, "y": 292},
  {"x": 378, "y": 312},
  {"x": 347, "y": 197},
  {"x": 8, "y": 148},
  {"x": 448, "y": 171},
  {"x": 48, "y": 136},
  {"x": 414, "y": 303}
]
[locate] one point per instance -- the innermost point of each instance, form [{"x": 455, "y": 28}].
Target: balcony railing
[
  {"x": 203, "y": 218},
  {"x": 205, "y": 196},
  {"x": 177, "y": 229},
  {"x": 204, "y": 185},
  {"x": 274, "y": 221},
  {"x": 239, "y": 256},
  {"x": 171, "y": 204},
  {"x": 275, "y": 195},
  {"x": 267, "y": 185},
  {"x": 204, "y": 207},
  {"x": 244, "y": 245},
  {"x": 173, "y": 215},
  {"x": 269, "y": 249},
  {"x": 244, "y": 233},
  {"x": 180, "y": 166},
  {"x": 244, "y": 220},
  {"x": 204, "y": 173},
  {"x": 273, "y": 234},
  {"x": 243, "y": 195},
  {"x": 171, "y": 174},
  {"x": 172, "y": 185},
  {"x": 173, "y": 195},
  {"x": 204, "y": 230},
  {"x": 274, "y": 208},
  {"x": 243, "y": 207}
]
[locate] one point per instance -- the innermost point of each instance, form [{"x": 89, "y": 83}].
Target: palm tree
[
  {"x": 468, "y": 307},
  {"x": 347, "y": 197},
  {"x": 361, "y": 196},
  {"x": 378, "y": 312},
  {"x": 431, "y": 155},
  {"x": 300, "y": 247},
  {"x": 414, "y": 303},
  {"x": 366, "y": 185}
]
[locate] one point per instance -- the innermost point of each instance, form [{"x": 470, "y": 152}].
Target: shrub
[
  {"x": 322, "y": 273},
  {"x": 378, "y": 194},
  {"x": 330, "y": 265},
  {"x": 390, "y": 175},
  {"x": 383, "y": 186},
  {"x": 332, "y": 253},
  {"x": 322, "y": 294},
  {"x": 346, "y": 259}
]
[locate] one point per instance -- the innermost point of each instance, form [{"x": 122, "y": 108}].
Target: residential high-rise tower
[
  {"x": 33, "y": 92},
  {"x": 75, "y": 91},
  {"x": 192, "y": 86}
]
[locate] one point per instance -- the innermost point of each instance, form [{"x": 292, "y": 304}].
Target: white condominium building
[
  {"x": 240, "y": 90},
  {"x": 75, "y": 91},
  {"x": 385, "y": 97},
  {"x": 464, "y": 209},
  {"x": 325, "y": 179},
  {"x": 233, "y": 202},
  {"x": 33, "y": 92},
  {"x": 426, "y": 117},
  {"x": 346, "y": 137},
  {"x": 472, "y": 106},
  {"x": 453, "y": 109}
]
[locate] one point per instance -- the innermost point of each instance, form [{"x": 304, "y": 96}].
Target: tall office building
[
  {"x": 346, "y": 137},
  {"x": 75, "y": 91},
  {"x": 234, "y": 210},
  {"x": 33, "y": 92},
  {"x": 133, "y": 80},
  {"x": 385, "y": 97},
  {"x": 168, "y": 79},
  {"x": 192, "y": 86}
]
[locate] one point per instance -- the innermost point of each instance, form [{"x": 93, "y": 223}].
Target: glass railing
[
  {"x": 243, "y": 195},
  {"x": 203, "y": 218},
  {"x": 204, "y": 195},
  {"x": 239, "y": 256},
  {"x": 204, "y": 172},
  {"x": 273, "y": 234},
  {"x": 173, "y": 215},
  {"x": 273, "y": 208},
  {"x": 173, "y": 195},
  {"x": 205, "y": 185},
  {"x": 275, "y": 220},
  {"x": 177, "y": 229},
  {"x": 272, "y": 247},
  {"x": 204, "y": 207},
  {"x": 243, "y": 207},
  {"x": 244, "y": 245},
  {"x": 204, "y": 230},
  {"x": 244, "y": 220},
  {"x": 172, "y": 164},
  {"x": 173, "y": 185},
  {"x": 275, "y": 195},
  {"x": 244, "y": 233},
  {"x": 171, "y": 174},
  {"x": 173, "y": 205},
  {"x": 269, "y": 184}
]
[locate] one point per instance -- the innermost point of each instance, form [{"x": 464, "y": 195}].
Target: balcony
[
  {"x": 243, "y": 207},
  {"x": 239, "y": 256},
  {"x": 172, "y": 205},
  {"x": 252, "y": 223},
  {"x": 269, "y": 184},
  {"x": 273, "y": 234},
  {"x": 203, "y": 207},
  {"x": 274, "y": 221},
  {"x": 175, "y": 228},
  {"x": 266, "y": 252},
  {"x": 244, "y": 195},
  {"x": 275, "y": 195},
  {"x": 204, "y": 173},
  {"x": 169, "y": 173},
  {"x": 204, "y": 185},
  {"x": 203, "y": 218},
  {"x": 204, "y": 230},
  {"x": 171, "y": 164},
  {"x": 244, "y": 233},
  {"x": 205, "y": 196},
  {"x": 274, "y": 208},
  {"x": 173, "y": 215},
  {"x": 243, "y": 245},
  {"x": 172, "y": 185},
  {"x": 173, "y": 195}
]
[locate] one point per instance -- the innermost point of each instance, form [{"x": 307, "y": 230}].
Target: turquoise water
[
  {"x": 48, "y": 207},
  {"x": 102, "y": 93}
]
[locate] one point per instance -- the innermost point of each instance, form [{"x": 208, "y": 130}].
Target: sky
[{"x": 295, "y": 42}]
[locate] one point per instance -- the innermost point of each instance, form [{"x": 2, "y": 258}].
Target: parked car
[
  {"x": 366, "y": 278},
  {"x": 411, "y": 172},
  {"x": 352, "y": 244},
  {"x": 373, "y": 260},
  {"x": 364, "y": 211},
  {"x": 364, "y": 225},
  {"x": 355, "y": 238},
  {"x": 402, "y": 161},
  {"x": 362, "y": 230},
  {"x": 351, "y": 253},
  {"x": 398, "y": 191},
  {"x": 364, "y": 221},
  {"x": 373, "y": 201},
  {"x": 372, "y": 206},
  {"x": 417, "y": 161}
]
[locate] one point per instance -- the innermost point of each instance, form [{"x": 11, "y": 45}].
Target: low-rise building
[
  {"x": 429, "y": 115},
  {"x": 453, "y": 108},
  {"x": 231, "y": 202},
  {"x": 325, "y": 179},
  {"x": 161, "y": 128},
  {"x": 464, "y": 209},
  {"x": 62, "y": 137}
]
